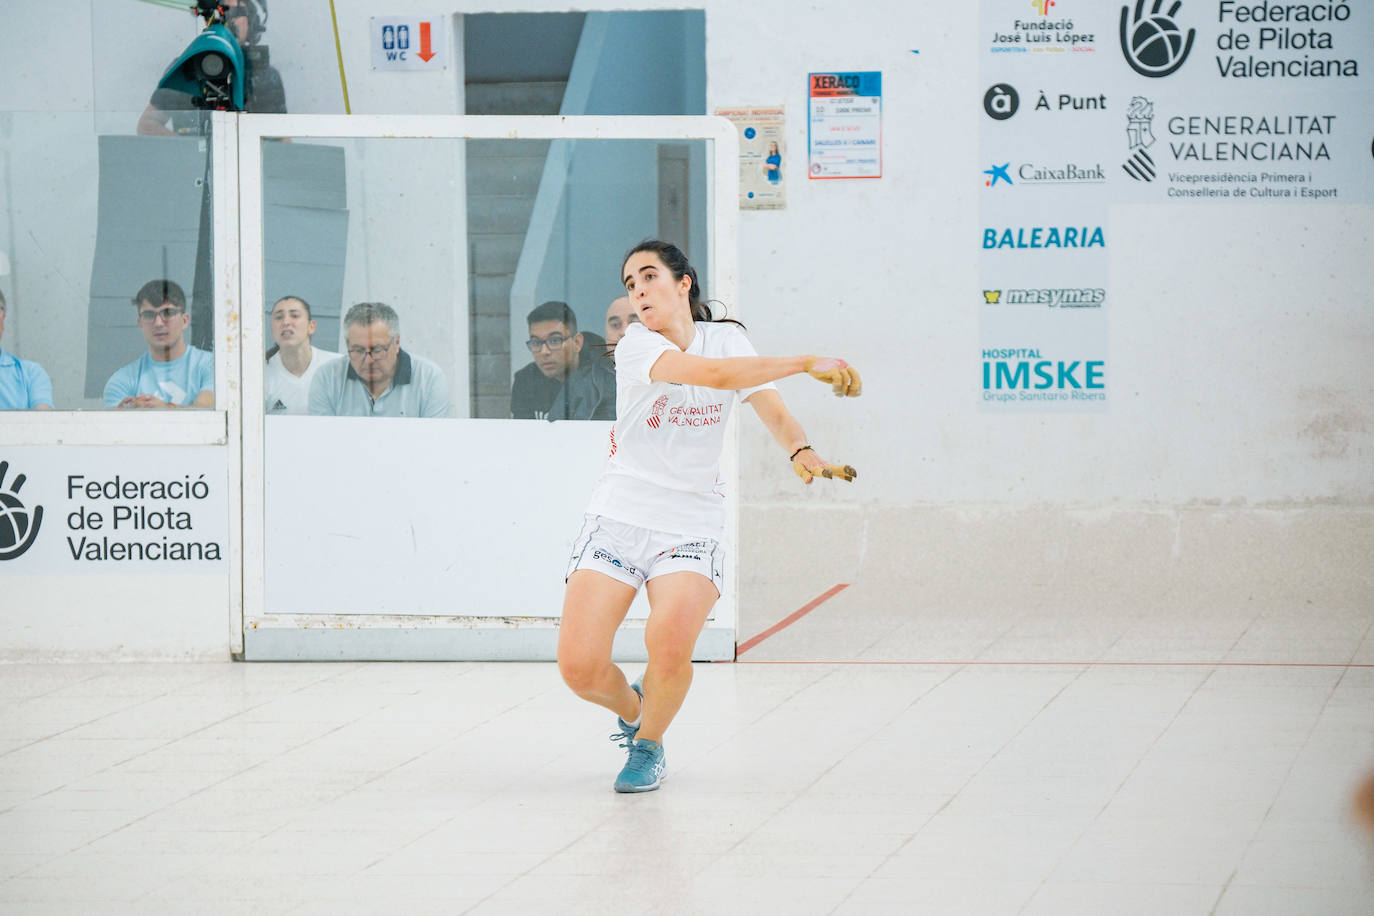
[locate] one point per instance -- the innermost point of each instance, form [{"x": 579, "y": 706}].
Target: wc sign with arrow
[{"x": 408, "y": 43}]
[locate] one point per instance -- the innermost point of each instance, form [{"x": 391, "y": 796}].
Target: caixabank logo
[
  {"x": 1039, "y": 173},
  {"x": 1153, "y": 41},
  {"x": 19, "y": 524}
]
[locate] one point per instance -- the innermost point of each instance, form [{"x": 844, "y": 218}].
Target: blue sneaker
[
  {"x": 627, "y": 732},
  {"x": 644, "y": 770}
]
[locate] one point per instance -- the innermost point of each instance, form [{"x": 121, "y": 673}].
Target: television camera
[{"x": 214, "y": 68}]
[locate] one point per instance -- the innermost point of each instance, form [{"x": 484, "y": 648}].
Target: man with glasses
[
  {"x": 172, "y": 373},
  {"x": 24, "y": 385},
  {"x": 562, "y": 383},
  {"x": 379, "y": 379}
]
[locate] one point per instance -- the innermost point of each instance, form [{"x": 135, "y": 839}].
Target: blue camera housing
[{"x": 186, "y": 72}]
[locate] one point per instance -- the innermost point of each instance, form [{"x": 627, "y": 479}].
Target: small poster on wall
[
  {"x": 762, "y": 148},
  {"x": 845, "y": 130}
]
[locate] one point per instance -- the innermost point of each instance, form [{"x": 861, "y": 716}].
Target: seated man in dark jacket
[
  {"x": 569, "y": 378},
  {"x": 588, "y": 393}
]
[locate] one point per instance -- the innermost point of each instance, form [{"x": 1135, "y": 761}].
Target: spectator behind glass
[
  {"x": 293, "y": 360},
  {"x": 556, "y": 346},
  {"x": 379, "y": 379},
  {"x": 23, "y": 383},
  {"x": 170, "y": 113},
  {"x": 172, "y": 373},
  {"x": 619, "y": 316}
]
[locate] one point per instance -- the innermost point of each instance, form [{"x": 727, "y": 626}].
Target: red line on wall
[{"x": 789, "y": 619}]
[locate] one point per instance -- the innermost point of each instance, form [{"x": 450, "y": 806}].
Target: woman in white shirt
[
  {"x": 293, "y": 360},
  {"x": 657, "y": 514}
]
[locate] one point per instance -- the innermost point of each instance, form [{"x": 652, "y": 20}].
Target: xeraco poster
[
  {"x": 845, "y": 125},
  {"x": 1089, "y": 108},
  {"x": 762, "y": 155}
]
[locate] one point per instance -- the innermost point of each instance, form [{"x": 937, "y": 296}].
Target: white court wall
[{"x": 1237, "y": 447}]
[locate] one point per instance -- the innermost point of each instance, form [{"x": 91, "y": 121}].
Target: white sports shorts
[{"x": 634, "y": 555}]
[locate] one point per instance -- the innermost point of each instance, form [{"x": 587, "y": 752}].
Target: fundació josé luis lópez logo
[
  {"x": 18, "y": 525},
  {"x": 1153, "y": 42}
]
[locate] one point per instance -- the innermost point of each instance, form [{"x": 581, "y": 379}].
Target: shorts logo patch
[
  {"x": 603, "y": 556},
  {"x": 695, "y": 550}
]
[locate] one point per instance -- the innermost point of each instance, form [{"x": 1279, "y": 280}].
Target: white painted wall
[{"x": 1243, "y": 414}]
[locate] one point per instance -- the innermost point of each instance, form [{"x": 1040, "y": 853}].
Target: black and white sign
[{"x": 113, "y": 510}]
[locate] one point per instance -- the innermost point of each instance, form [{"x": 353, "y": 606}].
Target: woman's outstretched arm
[{"x": 736, "y": 372}]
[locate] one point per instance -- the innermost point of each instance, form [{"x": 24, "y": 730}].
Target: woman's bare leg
[
  {"x": 679, "y": 604},
  {"x": 594, "y": 605}
]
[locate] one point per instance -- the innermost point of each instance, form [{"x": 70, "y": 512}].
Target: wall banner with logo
[
  {"x": 113, "y": 510},
  {"x": 1090, "y": 106}
]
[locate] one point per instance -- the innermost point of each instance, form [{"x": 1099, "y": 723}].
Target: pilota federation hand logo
[
  {"x": 998, "y": 173},
  {"x": 1154, "y": 43},
  {"x": 18, "y": 526}
]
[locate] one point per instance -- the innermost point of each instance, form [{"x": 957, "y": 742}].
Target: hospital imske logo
[
  {"x": 1153, "y": 42},
  {"x": 18, "y": 525}
]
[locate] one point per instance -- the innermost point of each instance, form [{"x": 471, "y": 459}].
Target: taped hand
[
  {"x": 808, "y": 466},
  {"x": 838, "y": 374}
]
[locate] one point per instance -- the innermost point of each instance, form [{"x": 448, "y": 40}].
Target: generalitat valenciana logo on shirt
[
  {"x": 18, "y": 524},
  {"x": 656, "y": 414}
]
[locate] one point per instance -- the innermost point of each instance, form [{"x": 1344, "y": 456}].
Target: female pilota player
[{"x": 656, "y": 517}]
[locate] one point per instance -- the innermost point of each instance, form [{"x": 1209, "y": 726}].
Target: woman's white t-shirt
[
  {"x": 663, "y": 471},
  {"x": 285, "y": 393}
]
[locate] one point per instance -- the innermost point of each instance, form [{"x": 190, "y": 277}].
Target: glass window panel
[
  {"x": 76, "y": 253},
  {"x": 462, "y": 239}
]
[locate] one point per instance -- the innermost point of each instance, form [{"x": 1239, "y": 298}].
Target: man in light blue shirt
[
  {"x": 172, "y": 373},
  {"x": 378, "y": 379},
  {"x": 23, "y": 383}
]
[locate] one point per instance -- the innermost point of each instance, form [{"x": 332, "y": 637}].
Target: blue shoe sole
[{"x": 626, "y": 788}]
